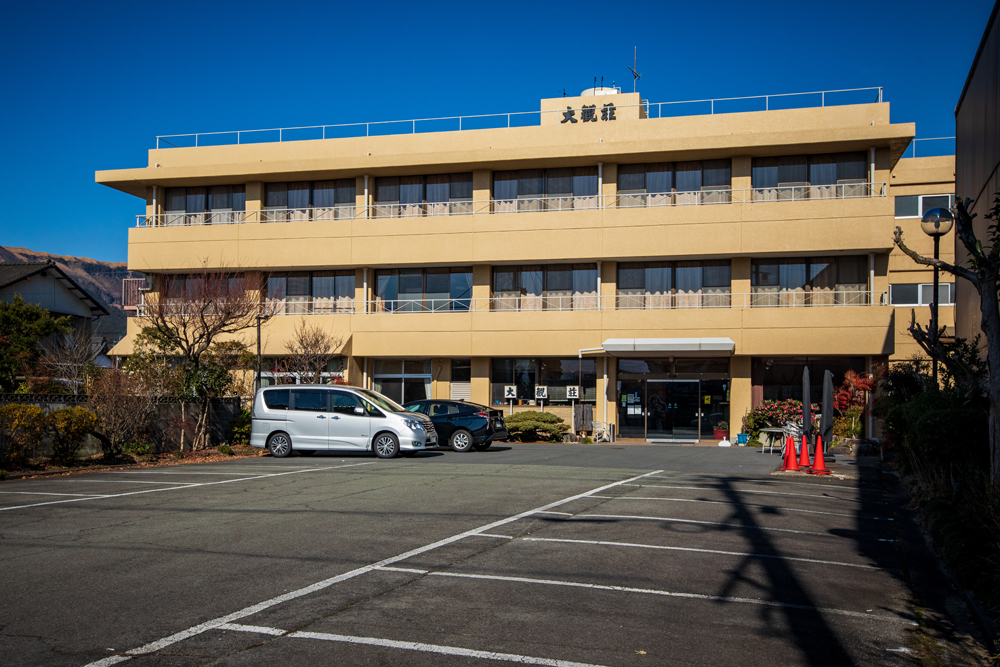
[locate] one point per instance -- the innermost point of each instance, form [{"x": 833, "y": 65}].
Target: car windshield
[
  {"x": 381, "y": 401},
  {"x": 415, "y": 407}
]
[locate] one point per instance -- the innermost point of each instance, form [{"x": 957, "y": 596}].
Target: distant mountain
[{"x": 103, "y": 280}]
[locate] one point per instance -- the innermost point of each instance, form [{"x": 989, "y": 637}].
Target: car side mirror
[{"x": 359, "y": 411}]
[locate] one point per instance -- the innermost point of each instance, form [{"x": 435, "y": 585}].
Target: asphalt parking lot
[{"x": 536, "y": 554}]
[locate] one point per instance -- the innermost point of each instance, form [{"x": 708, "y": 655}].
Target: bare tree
[
  {"x": 123, "y": 406},
  {"x": 66, "y": 358},
  {"x": 983, "y": 272},
  {"x": 194, "y": 312},
  {"x": 309, "y": 352}
]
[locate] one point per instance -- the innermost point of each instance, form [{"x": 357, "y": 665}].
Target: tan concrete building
[{"x": 676, "y": 270}]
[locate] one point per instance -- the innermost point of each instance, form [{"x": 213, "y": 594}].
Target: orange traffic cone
[
  {"x": 819, "y": 465},
  {"x": 804, "y": 453},
  {"x": 790, "y": 462}
]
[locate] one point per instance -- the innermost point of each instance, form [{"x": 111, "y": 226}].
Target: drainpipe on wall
[
  {"x": 364, "y": 287},
  {"x": 600, "y": 184},
  {"x": 871, "y": 171},
  {"x": 871, "y": 279},
  {"x": 155, "y": 209},
  {"x": 366, "y": 206},
  {"x": 599, "y": 297}
]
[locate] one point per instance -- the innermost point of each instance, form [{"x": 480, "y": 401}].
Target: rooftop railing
[
  {"x": 931, "y": 147},
  {"x": 822, "y": 98},
  {"x": 705, "y": 197}
]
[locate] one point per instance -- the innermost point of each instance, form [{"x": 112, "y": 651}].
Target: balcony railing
[
  {"x": 707, "y": 196},
  {"x": 706, "y": 299}
]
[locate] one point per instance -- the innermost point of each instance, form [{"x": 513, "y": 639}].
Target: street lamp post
[{"x": 936, "y": 223}]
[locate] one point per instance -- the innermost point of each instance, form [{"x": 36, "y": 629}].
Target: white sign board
[
  {"x": 510, "y": 391},
  {"x": 573, "y": 393},
  {"x": 541, "y": 392}
]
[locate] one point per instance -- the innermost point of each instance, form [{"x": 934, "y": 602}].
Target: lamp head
[{"x": 937, "y": 222}]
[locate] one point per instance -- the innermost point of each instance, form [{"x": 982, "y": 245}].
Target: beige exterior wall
[
  {"x": 738, "y": 231},
  {"x": 920, "y": 176}
]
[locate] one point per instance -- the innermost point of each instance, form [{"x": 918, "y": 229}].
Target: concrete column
[
  {"x": 482, "y": 282},
  {"x": 609, "y": 391},
  {"x": 360, "y": 297},
  {"x": 880, "y": 283},
  {"x": 609, "y": 284},
  {"x": 441, "y": 378},
  {"x": 352, "y": 371},
  {"x": 740, "y": 392},
  {"x": 609, "y": 186},
  {"x": 482, "y": 190},
  {"x": 741, "y": 176},
  {"x": 255, "y": 200},
  {"x": 481, "y": 380},
  {"x": 359, "y": 196},
  {"x": 740, "y": 276}
]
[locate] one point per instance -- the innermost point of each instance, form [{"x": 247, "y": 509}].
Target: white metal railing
[
  {"x": 404, "y": 305},
  {"x": 514, "y": 119},
  {"x": 708, "y": 298},
  {"x": 707, "y": 196},
  {"x": 287, "y": 306},
  {"x": 948, "y": 150}
]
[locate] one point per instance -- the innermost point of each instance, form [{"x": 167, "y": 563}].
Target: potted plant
[{"x": 721, "y": 431}]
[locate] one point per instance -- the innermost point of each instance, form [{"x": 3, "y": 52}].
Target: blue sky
[{"x": 87, "y": 86}]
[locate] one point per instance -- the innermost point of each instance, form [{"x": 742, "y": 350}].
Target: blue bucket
[{"x": 742, "y": 438}]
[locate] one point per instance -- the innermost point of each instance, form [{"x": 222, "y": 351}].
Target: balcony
[{"x": 709, "y": 196}]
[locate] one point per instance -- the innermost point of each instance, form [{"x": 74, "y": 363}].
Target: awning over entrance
[{"x": 669, "y": 347}]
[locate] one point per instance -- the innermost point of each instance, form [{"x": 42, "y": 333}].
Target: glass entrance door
[
  {"x": 672, "y": 410},
  {"x": 631, "y": 409},
  {"x": 659, "y": 409}
]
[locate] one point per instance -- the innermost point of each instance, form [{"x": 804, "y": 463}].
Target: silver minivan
[{"x": 310, "y": 418}]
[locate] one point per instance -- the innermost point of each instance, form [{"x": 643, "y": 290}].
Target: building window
[
  {"x": 403, "y": 380},
  {"x": 440, "y": 194},
  {"x": 698, "y": 284},
  {"x": 281, "y": 370},
  {"x": 669, "y": 183},
  {"x": 780, "y": 378},
  {"x": 318, "y": 293},
  {"x": 552, "y": 287},
  {"x": 809, "y": 281},
  {"x": 305, "y": 200},
  {"x": 921, "y": 294},
  {"x": 423, "y": 290},
  {"x": 461, "y": 379},
  {"x": 824, "y": 176},
  {"x": 218, "y": 204},
  {"x": 545, "y": 189},
  {"x": 914, "y": 206},
  {"x": 556, "y": 374}
]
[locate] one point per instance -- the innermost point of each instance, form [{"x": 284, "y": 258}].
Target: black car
[{"x": 462, "y": 425}]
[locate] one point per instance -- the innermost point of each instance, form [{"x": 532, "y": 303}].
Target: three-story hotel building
[{"x": 677, "y": 270}]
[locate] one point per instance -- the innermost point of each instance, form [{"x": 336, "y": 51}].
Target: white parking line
[
  {"x": 123, "y": 481},
  {"x": 251, "y": 628},
  {"x": 768, "y": 482},
  {"x": 170, "y": 472},
  {"x": 152, "y": 647},
  {"x": 174, "y": 488},
  {"x": 562, "y": 513},
  {"x": 499, "y": 537},
  {"x": 700, "y": 551},
  {"x": 653, "y": 591},
  {"x": 441, "y": 650},
  {"x": 770, "y": 493},
  {"x": 706, "y": 523},
  {"x": 40, "y": 493},
  {"x": 724, "y": 502}
]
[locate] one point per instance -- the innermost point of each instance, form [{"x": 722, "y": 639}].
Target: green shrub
[
  {"x": 241, "y": 428},
  {"x": 3, "y": 474},
  {"x": 532, "y": 426},
  {"x": 225, "y": 449},
  {"x": 587, "y": 440},
  {"x": 849, "y": 425},
  {"x": 22, "y": 426},
  {"x": 137, "y": 449},
  {"x": 69, "y": 428}
]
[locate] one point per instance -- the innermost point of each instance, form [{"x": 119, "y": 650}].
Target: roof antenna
[
  {"x": 635, "y": 63},
  {"x": 564, "y": 92}
]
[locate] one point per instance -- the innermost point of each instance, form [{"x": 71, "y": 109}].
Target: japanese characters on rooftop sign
[{"x": 589, "y": 113}]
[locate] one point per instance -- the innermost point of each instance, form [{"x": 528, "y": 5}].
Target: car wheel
[
  {"x": 279, "y": 445},
  {"x": 461, "y": 440},
  {"x": 386, "y": 446},
  {"x": 483, "y": 446}
]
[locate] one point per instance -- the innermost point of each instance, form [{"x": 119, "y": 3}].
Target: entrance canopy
[{"x": 669, "y": 347}]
